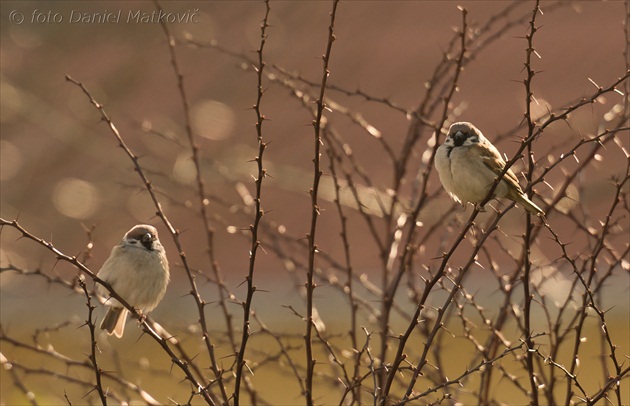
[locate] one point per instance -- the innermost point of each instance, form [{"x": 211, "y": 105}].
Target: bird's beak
[{"x": 459, "y": 138}]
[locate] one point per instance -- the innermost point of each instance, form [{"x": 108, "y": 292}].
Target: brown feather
[{"x": 491, "y": 158}]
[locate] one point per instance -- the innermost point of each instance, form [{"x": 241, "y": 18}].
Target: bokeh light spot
[
  {"x": 75, "y": 198},
  {"x": 184, "y": 170},
  {"x": 213, "y": 120}
]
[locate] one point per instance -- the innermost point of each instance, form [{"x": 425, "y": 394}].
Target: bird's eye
[{"x": 146, "y": 240}]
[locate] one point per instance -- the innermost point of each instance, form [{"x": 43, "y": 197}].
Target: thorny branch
[
  {"x": 258, "y": 210},
  {"x": 318, "y": 123},
  {"x": 209, "y": 231}
]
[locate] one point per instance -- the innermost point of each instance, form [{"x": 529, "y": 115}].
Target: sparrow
[
  {"x": 468, "y": 164},
  {"x": 137, "y": 269}
]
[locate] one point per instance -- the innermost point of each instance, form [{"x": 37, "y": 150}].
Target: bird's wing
[{"x": 491, "y": 158}]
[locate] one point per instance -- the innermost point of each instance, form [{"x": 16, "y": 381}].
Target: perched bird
[
  {"x": 468, "y": 165},
  {"x": 137, "y": 269}
]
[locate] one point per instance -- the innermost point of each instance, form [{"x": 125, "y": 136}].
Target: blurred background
[{"x": 62, "y": 172}]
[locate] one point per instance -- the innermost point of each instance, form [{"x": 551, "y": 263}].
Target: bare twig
[
  {"x": 258, "y": 210},
  {"x": 318, "y": 123},
  {"x": 93, "y": 344},
  {"x": 209, "y": 230}
]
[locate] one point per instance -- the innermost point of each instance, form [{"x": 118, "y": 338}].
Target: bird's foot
[
  {"x": 143, "y": 317},
  {"x": 480, "y": 209}
]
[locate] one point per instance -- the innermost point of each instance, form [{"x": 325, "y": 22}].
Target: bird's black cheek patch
[{"x": 459, "y": 138}]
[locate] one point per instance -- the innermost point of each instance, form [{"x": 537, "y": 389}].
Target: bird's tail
[
  {"x": 114, "y": 321},
  {"x": 529, "y": 205}
]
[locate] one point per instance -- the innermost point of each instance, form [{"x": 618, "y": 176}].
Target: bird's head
[{"x": 463, "y": 134}]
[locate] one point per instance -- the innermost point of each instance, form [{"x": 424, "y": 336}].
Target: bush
[{"x": 324, "y": 264}]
